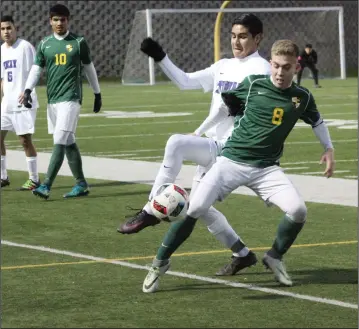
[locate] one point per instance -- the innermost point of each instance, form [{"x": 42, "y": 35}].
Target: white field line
[
  {"x": 151, "y": 123},
  {"x": 189, "y": 276},
  {"x": 321, "y": 172},
  {"x": 314, "y": 162},
  {"x": 168, "y": 134},
  {"x": 149, "y": 157},
  {"x": 294, "y": 168},
  {"x": 351, "y": 177}
]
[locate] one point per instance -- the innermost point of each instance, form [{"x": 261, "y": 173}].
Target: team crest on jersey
[
  {"x": 69, "y": 48},
  {"x": 296, "y": 101}
]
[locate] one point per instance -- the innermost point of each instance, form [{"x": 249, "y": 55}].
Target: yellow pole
[{"x": 217, "y": 32}]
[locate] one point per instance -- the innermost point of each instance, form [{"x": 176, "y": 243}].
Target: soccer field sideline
[{"x": 313, "y": 189}]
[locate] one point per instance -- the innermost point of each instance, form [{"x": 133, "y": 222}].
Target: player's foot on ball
[
  {"x": 29, "y": 185},
  {"x": 43, "y": 191},
  {"x": 5, "y": 182},
  {"x": 78, "y": 190},
  {"x": 138, "y": 222},
  {"x": 238, "y": 263},
  {"x": 151, "y": 282}
]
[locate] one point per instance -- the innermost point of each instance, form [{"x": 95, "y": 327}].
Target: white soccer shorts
[
  {"x": 63, "y": 116},
  {"x": 20, "y": 122}
]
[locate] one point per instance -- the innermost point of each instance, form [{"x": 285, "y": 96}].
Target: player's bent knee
[
  {"x": 298, "y": 212},
  {"x": 71, "y": 139},
  {"x": 197, "y": 209},
  {"x": 175, "y": 141},
  {"x": 61, "y": 137}
]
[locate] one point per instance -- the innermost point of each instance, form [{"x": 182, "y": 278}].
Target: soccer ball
[{"x": 170, "y": 202}]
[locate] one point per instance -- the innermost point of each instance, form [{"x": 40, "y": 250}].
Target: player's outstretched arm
[
  {"x": 196, "y": 80},
  {"x": 213, "y": 119}
]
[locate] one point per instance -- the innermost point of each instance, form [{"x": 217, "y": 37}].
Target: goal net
[{"x": 187, "y": 36}]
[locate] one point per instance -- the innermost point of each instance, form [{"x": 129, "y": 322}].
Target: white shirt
[
  {"x": 16, "y": 62},
  {"x": 226, "y": 74}
]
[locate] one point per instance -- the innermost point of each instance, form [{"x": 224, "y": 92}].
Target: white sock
[
  {"x": 242, "y": 253},
  {"x": 3, "y": 167},
  {"x": 32, "y": 168},
  {"x": 218, "y": 225},
  {"x": 148, "y": 209}
]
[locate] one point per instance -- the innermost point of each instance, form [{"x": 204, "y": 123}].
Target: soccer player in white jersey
[
  {"x": 17, "y": 57},
  {"x": 226, "y": 74}
]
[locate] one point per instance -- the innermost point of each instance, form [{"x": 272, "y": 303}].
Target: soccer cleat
[
  {"x": 5, "y": 182},
  {"x": 138, "y": 222},
  {"x": 237, "y": 264},
  {"x": 77, "y": 191},
  {"x": 278, "y": 268},
  {"x": 43, "y": 191},
  {"x": 29, "y": 185},
  {"x": 151, "y": 282}
]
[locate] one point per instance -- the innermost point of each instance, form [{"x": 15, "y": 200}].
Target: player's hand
[
  {"x": 153, "y": 49},
  {"x": 98, "y": 103},
  {"x": 328, "y": 158},
  {"x": 25, "y": 98}
]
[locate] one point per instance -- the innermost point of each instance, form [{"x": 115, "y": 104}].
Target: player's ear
[{"x": 258, "y": 38}]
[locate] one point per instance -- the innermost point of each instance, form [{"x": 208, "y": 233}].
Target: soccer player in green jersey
[
  {"x": 65, "y": 55},
  {"x": 250, "y": 157}
]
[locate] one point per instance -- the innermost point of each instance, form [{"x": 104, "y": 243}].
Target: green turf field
[{"x": 91, "y": 276}]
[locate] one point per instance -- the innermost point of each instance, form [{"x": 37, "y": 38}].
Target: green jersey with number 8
[
  {"x": 270, "y": 114},
  {"x": 63, "y": 59}
]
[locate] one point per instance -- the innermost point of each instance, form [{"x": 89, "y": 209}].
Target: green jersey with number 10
[
  {"x": 269, "y": 116},
  {"x": 63, "y": 59}
]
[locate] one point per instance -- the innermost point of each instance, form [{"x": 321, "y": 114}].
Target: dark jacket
[{"x": 304, "y": 58}]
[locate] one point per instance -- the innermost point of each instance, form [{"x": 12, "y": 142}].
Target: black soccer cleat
[
  {"x": 138, "y": 222},
  {"x": 237, "y": 264},
  {"x": 5, "y": 182}
]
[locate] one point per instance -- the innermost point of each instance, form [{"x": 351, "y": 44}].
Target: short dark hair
[
  {"x": 308, "y": 45},
  {"x": 59, "y": 10},
  {"x": 7, "y": 18},
  {"x": 251, "y": 22}
]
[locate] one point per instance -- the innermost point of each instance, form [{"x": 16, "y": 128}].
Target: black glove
[
  {"x": 234, "y": 104},
  {"x": 27, "y": 99},
  {"x": 153, "y": 49},
  {"x": 98, "y": 103}
]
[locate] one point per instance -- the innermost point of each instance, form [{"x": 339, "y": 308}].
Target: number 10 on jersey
[{"x": 60, "y": 59}]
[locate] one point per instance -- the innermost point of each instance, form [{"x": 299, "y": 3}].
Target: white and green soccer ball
[{"x": 170, "y": 202}]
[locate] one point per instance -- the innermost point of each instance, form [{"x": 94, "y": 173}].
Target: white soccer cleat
[
  {"x": 278, "y": 268},
  {"x": 151, "y": 282}
]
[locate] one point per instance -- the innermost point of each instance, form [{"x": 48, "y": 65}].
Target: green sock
[
  {"x": 75, "y": 162},
  {"x": 286, "y": 234},
  {"x": 175, "y": 236},
  {"x": 57, "y": 157}
]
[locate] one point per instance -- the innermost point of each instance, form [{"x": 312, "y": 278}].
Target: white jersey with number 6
[{"x": 16, "y": 62}]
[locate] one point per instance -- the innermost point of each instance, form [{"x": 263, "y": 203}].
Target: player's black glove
[
  {"x": 234, "y": 104},
  {"x": 98, "y": 103},
  {"x": 27, "y": 99},
  {"x": 153, "y": 49}
]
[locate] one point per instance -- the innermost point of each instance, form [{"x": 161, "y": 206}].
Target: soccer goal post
[{"x": 187, "y": 36}]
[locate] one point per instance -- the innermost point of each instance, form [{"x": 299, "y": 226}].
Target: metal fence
[{"x": 107, "y": 26}]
